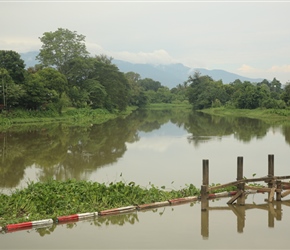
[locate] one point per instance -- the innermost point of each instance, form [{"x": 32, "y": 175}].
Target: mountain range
[{"x": 169, "y": 75}]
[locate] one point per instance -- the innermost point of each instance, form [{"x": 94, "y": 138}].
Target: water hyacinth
[{"x": 53, "y": 198}]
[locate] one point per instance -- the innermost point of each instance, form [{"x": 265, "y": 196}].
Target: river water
[{"x": 164, "y": 148}]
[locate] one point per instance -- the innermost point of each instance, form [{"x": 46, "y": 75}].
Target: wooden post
[
  {"x": 241, "y": 186},
  {"x": 205, "y": 173},
  {"x": 279, "y": 210},
  {"x": 270, "y": 174},
  {"x": 271, "y": 219},
  {"x": 270, "y": 165},
  {"x": 205, "y": 223},
  {"x": 278, "y": 193},
  {"x": 241, "y": 219},
  {"x": 204, "y": 186}
]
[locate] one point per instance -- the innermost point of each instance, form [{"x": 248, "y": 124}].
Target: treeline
[
  {"x": 203, "y": 92},
  {"x": 68, "y": 76}
]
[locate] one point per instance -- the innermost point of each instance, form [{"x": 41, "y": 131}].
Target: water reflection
[
  {"x": 273, "y": 209},
  {"x": 62, "y": 152},
  {"x": 203, "y": 127},
  {"x": 273, "y": 212},
  {"x": 117, "y": 220}
]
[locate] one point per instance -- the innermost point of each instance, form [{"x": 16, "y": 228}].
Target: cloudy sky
[{"x": 249, "y": 38}]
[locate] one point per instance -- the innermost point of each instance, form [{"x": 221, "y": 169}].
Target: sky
[{"x": 249, "y": 38}]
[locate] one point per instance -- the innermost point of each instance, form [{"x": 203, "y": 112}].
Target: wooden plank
[
  {"x": 235, "y": 183},
  {"x": 236, "y": 211},
  {"x": 236, "y": 196},
  {"x": 285, "y": 193},
  {"x": 262, "y": 189},
  {"x": 271, "y": 195}
]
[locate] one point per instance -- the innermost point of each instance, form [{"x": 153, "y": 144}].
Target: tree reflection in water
[{"x": 61, "y": 151}]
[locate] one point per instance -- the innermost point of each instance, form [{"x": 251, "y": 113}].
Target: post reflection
[{"x": 273, "y": 209}]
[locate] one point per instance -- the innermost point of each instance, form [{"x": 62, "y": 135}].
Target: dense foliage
[
  {"x": 203, "y": 92},
  {"x": 56, "y": 198},
  {"x": 68, "y": 76}
]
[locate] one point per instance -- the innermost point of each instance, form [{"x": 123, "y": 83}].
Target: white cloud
[
  {"x": 20, "y": 45},
  {"x": 281, "y": 72},
  {"x": 280, "y": 69},
  {"x": 156, "y": 57},
  {"x": 245, "y": 69},
  {"x": 95, "y": 49},
  {"x": 160, "y": 56},
  {"x": 153, "y": 144}
]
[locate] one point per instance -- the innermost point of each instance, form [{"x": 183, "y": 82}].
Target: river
[{"x": 164, "y": 148}]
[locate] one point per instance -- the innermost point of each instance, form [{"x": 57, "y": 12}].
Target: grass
[
  {"x": 160, "y": 106},
  {"x": 267, "y": 115},
  {"x": 73, "y": 116}
]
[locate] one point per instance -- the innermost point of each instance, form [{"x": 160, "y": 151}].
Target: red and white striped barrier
[
  {"x": 28, "y": 225},
  {"x": 183, "y": 200},
  {"x": 117, "y": 210},
  {"x": 76, "y": 217},
  {"x": 153, "y": 205}
]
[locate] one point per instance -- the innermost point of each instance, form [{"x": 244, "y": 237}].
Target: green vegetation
[
  {"x": 57, "y": 198},
  {"x": 68, "y": 76},
  {"x": 267, "y": 115},
  {"x": 203, "y": 93},
  {"x": 72, "y": 87},
  {"x": 164, "y": 106},
  {"x": 80, "y": 116}
]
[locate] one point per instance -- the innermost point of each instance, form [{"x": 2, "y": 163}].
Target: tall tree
[
  {"x": 115, "y": 83},
  {"x": 60, "y": 47},
  {"x": 11, "y": 93},
  {"x": 12, "y": 62},
  {"x": 44, "y": 89},
  {"x": 137, "y": 95},
  {"x": 286, "y": 94},
  {"x": 149, "y": 84}
]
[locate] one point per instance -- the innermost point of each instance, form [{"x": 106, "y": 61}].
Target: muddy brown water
[{"x": 160, "y": 148}]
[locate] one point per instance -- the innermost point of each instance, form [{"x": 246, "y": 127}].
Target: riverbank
[
  {"x": 73, "y": 116},
  {"x": 268, "y": 115}
]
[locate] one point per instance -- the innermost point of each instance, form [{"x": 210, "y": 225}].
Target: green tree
[
  {"x": 11, "y": 93},
  {"x": 275, "y": 88},
  {"x": 137, "y": 96},
  {"x": 96, "y": 93},
  {"x": 286, "y": 94},
  {"x": 164, "y": 95},
  {"x": 54, "y": 80},
  {"x": 44, "y": 89},
  {"x": 60, "y": 47},
  {"x": 115, "y": 83},
  {"x": 248, "y": 96},
  {"x": 149, "y": 84},
  {"x": 12, "y": 62},
  {"x": 204, "y": 92}
]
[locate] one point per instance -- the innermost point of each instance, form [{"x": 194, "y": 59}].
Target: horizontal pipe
[
  {"x": 182, "y": 200},
  {"x": 117, "y": 210},
  {"x": 153, "y": 205}
]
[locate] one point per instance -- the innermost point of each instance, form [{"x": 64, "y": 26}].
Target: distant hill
[
  {"x": 173, "y": 74},
  {"x": 29, "y": 58},
  {"x": 169, "y": 75}
]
